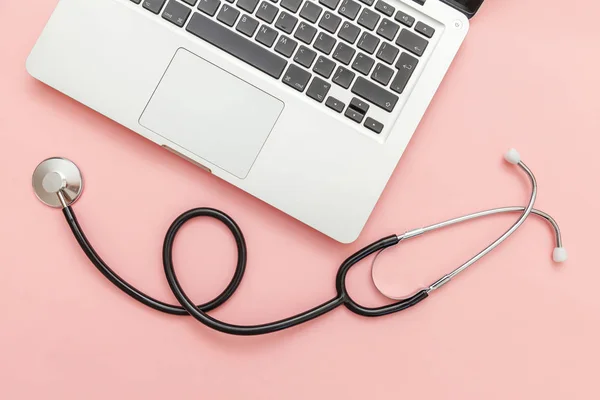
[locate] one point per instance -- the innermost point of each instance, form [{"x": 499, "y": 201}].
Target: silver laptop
[{"x": 305, "y": 104}]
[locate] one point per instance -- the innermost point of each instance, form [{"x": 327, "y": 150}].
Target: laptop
[{"x": 307, "y": 105}]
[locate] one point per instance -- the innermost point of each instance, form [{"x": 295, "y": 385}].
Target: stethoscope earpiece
[
  {"x": 512, "y": 156},
  {"x": 559, "y": 254},
  {"x": 57, "y": 182}
]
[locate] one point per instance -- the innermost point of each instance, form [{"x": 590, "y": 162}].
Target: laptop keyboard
[{"x": 365, "y": 46}]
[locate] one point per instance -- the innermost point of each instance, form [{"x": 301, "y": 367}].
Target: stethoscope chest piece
[{"x": 57, "y": 182}]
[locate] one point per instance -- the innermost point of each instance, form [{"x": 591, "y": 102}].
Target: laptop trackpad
[{"x": 211, "y": 113}]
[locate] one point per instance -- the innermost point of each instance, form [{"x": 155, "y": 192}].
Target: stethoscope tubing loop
[{"x": 134, "y": 292}]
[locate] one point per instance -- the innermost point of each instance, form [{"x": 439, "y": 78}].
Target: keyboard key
[
  {"x": 318, "y": 89},
  {"x": 343, "y": 53},
  {"x": 373, "y": 125},
  {"x": 330, "y": 22},
  {"x": 406, "y": 65},
  {"x": 408, "y": 62},
  {"x": 190, "y": 2},
  {"x": 296, "y": 77},
  {"x": 154, "y": 5},
  {"x": 363, "y": 64},
  {"x": 292, "y": 5},
  {"x": 305, "y": 56},
  {"x": 367, "y": 2},
  {"x": 305, "y": 32},
  {"x": 286, "y": 46},
  {"x": 236, "y": 45},
  {"x": 354, "y": 115},
  {"x": 387, "y": 53},
  {"x": 267, "y": 12},
  {"x": 228, "y": 15},
  {"x": 349, "y": 9},
  {"x": 209, "y": 6},
  {"x": 368, "y": 43},
  {"x": 382, "y": 74},
  {"x": 368, "y": 19},
  {"x": 266, "y": 35},
  {"x": 247, "y": 5},
  {"x": 359, "y": 105},
  {"x": 349, "y": 32},
  {"x": 324, "y": 43},
  {"x": 387, "y": 29},
  {"x": 311, "y": 12},
  {"x": 375, "y": 94},
  {"x": 404, "y": 19},
  {"x": 411, "y": 42},
  {"x": 286, "y": 22},
  {"x": 343, "y": 77},
  {"x": 324, "y": 67},
  {"x": 331, "y": 4},
  {"x": 426, "y": 30},
  {"x": 247, "y": 25},
  {"x": 385, "y": 8},
  {"x": 335, "y": 104},
  {"x": 176, "y": 13},
  {"x": 138, "y": 1}
]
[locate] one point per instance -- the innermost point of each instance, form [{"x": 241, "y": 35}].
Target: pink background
[{"x": 516, "y": 326}]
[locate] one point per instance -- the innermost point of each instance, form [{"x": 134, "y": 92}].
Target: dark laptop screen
[{"x": 471, "y": 6}]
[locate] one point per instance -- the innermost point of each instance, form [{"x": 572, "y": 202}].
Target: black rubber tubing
[{"x": 199, "y": 312}]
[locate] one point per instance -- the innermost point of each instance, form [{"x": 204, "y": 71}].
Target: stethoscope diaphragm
[{"x": 57, "y": 175}]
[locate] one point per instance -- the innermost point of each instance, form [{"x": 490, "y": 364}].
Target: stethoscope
[{"x": 58, "y": 183}]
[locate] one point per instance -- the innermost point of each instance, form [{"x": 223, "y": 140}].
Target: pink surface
[{"x": 516, "y": 326}]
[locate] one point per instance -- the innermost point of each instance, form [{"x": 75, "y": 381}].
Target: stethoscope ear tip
[
  {"x": 560, "y": 255},
  {"x": 512, "y": 156}
]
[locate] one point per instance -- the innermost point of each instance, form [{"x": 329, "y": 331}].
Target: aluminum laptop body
[{"x": 305, "y": 104}]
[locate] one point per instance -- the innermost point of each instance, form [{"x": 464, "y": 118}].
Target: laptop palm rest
[{"x": 211, "y": 113}]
